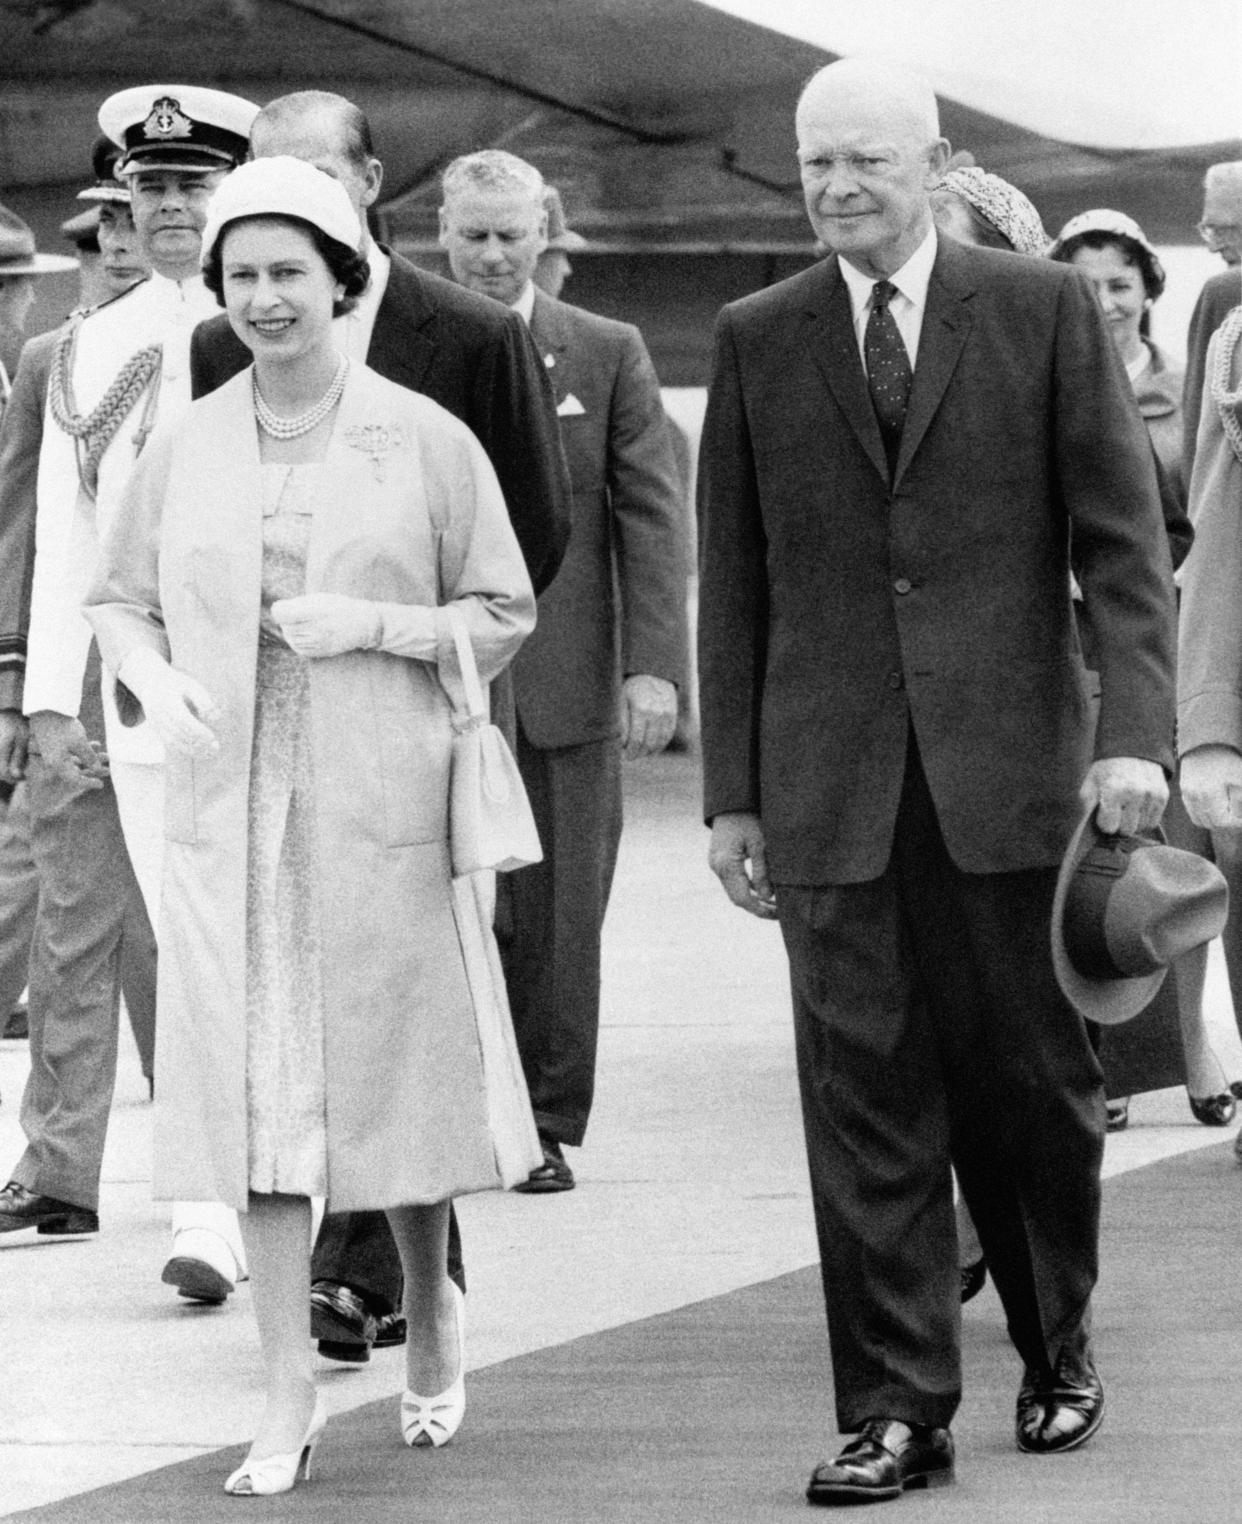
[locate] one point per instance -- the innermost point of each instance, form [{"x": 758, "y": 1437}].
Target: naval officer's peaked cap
[{"x": 177, "y": 127}]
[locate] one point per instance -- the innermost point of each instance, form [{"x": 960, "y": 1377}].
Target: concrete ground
[{"x": 692, "y": 1183}]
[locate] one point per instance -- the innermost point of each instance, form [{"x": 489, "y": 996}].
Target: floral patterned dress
[{"x": 285, "y": 1090}]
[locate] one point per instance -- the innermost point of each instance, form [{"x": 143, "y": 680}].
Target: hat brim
[
  {"x": 192, "y": 161},
  {"x": 1107, "y": 1001},
  {"x": 568, "y": 242},
  {"x": 38, "y": 264},
  {"x": 118, "y": 195}
]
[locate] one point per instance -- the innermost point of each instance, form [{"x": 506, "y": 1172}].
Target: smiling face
[
  {"x": 170, "y": 210},
  {"x": 1118, "y": 285},
  {"x": 868, "y": 159},
  {"x": 278, "y": 292},
  {"x": 120, "y": 252},
  {"x": 494, "y": 239}
]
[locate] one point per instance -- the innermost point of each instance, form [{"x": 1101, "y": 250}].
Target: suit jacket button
[
  {"x": 895, "y": 680},
  {"x": 902, "y": 584}
]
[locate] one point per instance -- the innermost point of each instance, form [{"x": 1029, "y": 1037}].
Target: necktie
[{"x": 889, "y": 374}]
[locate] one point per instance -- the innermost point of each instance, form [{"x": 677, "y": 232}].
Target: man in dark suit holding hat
[{"x": 901, "y": 446}]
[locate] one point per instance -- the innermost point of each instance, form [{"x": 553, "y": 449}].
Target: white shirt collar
[
  {"x": 525, "y": 304},
  {"x": 911, "y": 281},
  {"x": 353, "y": 331},
  {"x": 907, "y": 307}
]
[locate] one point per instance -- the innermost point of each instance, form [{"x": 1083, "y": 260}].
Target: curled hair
[{"x": 346, "y": 266}]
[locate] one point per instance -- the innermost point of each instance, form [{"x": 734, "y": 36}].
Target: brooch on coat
[{"x": 376, "y": 440}]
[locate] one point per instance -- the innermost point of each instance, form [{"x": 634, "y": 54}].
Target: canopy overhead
[{"x": 668, "y": 123}]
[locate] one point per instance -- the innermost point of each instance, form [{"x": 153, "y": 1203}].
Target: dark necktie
[{"x": 889, "y": 374}]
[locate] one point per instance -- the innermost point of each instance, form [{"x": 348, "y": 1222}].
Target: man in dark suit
[
  {"x": 609, "y": 650},
  {"x": 476, "y": 360},
  {"x": 899, "y": 444},
  {"x": 1221, "y": 229}
]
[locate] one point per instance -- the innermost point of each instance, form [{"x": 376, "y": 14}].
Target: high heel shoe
[
  {"x": 434, "y": 1420},
  {"x": 277, "y": 1473},
  {"x": 1213, "y": 1110}
]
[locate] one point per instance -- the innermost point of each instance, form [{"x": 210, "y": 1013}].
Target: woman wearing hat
[
  {"x": 331, "y": 1017},
  {"x": 1114, "y": 253}
]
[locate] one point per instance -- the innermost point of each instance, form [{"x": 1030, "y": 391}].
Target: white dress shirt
[
  {"x": 525, "y": 304},
  {"x": 907, "y": 305}
]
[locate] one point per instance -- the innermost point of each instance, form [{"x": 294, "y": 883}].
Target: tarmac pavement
[{"x": 692, "y": 1184}]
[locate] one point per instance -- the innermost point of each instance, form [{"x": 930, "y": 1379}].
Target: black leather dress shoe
[
  {"x": 885, "y": 1460},
  {"x": 973, "y": 1278},
  {"x": 17, "y": 1022},
  {"x": 1058, "y": 1410},
  {"x": 552, "y": 1175},
  {"x": 20, "y": 1208},
  {"x": 348, "y": 1324}
]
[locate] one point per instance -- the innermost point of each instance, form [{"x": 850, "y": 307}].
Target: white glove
[
  {"x": 1211, "y": 779},
  {"x": 328, "y": 624},
  {"x": 177, "y": 706}
]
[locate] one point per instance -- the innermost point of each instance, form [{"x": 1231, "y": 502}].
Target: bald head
[
  {"x": 327, "y": 131},
  {"x": 870, "y": 151}
]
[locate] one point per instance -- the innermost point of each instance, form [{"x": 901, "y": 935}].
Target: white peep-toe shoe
[
  {"x": 277, "y": 1473},
  {"x": 434, "y": 1420}
]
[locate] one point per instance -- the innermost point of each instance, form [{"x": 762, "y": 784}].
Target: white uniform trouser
[{"x": 140, "y": 800}]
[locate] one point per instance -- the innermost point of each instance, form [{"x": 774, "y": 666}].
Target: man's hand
[
  {"x": 1129, "y": 794},
  {"x": 327, "y": 624},
  {"x": 648, "y": 715},
  {"x": 67, "y": 750},
  {"x": 1211, "y": 778},
  {"x": 14, "y": 735},
  {"x": 738, "y": 858}
]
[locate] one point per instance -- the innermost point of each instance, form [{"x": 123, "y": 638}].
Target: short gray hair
[{"x": 492, "y": 169}]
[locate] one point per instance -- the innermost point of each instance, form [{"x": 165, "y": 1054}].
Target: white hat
[
  {"x": 1104, "y": 220},
  {"x": 185, "y": 127},
  {"x": 282, "y": 186}
]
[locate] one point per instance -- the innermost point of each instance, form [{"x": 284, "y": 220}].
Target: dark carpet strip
[{"x": 716, "y": 1412}]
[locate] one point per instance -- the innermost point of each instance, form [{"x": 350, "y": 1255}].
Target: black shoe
[
  {"x": 20, "y": 1208},
  {"x": 552, "y": 1175},
  {"x": 973, "y": 1278},
  {"x": 1213, "y": 1110},
  {"x": 17, "y": 1023},
  {"x": 1117, "y": 1114},
  {"x": 342, "y": 1322},
  {"x": 1058, "y": 1410},
  {"x": 886, "y": 1458}
]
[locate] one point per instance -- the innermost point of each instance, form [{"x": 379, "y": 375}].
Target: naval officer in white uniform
[{"x": 117, "y": 371}]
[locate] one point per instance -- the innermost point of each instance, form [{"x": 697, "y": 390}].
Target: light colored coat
[{"x": 423, "y": 1099}]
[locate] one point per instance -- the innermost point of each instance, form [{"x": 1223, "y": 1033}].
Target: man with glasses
[{"x": 1221, "y": 229}]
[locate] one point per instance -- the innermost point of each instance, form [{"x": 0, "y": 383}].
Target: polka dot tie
[{"x": 889, "y": 373}]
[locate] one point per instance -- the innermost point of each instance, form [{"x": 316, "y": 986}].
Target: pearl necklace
[
  {"x": 1227, "y": 401},
  {"x": 277, "y": 427}
]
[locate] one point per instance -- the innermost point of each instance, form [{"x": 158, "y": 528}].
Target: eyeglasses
[{"x": 1213, "y": 232}]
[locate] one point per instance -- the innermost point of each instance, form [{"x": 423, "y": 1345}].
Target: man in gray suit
[
  {"x": 901, "y": 445},
  {"x": 598, "y": 679}
]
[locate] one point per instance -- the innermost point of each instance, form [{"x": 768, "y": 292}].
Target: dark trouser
[
  {"x": 19, "y": 898},
  {"x": 357, "y": 1249},
  {"x": 930, "y": 1028},
  {"x": 549, "y": 925},
  {"x": 86, "y": 886}
]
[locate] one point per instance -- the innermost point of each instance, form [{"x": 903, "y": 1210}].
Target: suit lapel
[
  {"x": 551, "y": 336},
  {"x": 946, "y": 325},
  {"x": 835, "y": 348},
  {"x": 404, "y": 338}
]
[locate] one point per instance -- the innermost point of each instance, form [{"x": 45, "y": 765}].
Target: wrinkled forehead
[{"x": 852, "y": 110}]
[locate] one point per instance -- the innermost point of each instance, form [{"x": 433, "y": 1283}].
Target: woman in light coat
[{"x": 332, "y": 1020}]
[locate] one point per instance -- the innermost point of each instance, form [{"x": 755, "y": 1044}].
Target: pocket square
[{"x": 569, "y": 407}]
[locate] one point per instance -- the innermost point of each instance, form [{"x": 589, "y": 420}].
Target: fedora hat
[
  {"x": 18, "y": 255},
  {"x": 1125, "y": 908},
  {"x": 560, "y": 234}
]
